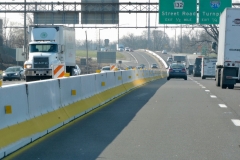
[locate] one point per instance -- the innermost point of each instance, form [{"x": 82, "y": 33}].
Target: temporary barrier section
[
  {"x": 111, "y": 79},
  {"x": 43, "y": 97},
  {"x": 14, "y": 105},
  {"x": 101, "y": 82},
  {"x": 88, "y": 85},
  {"x": 70, "y": 89},
  {"x": 119, "y": 88},
  {"x": 43, "y": 106}
]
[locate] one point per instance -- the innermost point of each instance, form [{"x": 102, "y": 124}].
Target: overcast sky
[{"x": 111, "y": 34}]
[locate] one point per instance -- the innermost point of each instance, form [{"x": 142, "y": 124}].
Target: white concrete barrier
[
  {"x": 43, "y": 97},
  {"x": 70, "y": 90},
  {"x": 14, "y": 105},
  {"x": 88, "y": 88},
  {"x": 31, "y": 110}
]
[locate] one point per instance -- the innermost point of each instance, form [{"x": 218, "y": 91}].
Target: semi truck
[
  {"x": 179, "y": 58},
  {"x": 51, "y": 52},
  {"x": 208, "y": 67},
  {"x": 228, "y": 59}
]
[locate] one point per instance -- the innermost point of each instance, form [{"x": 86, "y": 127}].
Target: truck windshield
[{"x": 43, "y": 48}]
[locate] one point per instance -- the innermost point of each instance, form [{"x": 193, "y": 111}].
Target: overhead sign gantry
[{"x": 191, "y": 11}]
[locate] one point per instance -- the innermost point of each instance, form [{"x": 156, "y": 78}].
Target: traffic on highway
[{"x": 139, "y": 104}]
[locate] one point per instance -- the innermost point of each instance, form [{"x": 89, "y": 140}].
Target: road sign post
[
  {"x": 210, "y": 10},
  {"x": 177, "y": 11}
]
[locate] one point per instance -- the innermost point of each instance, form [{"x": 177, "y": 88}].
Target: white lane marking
[
  {"x": 146, "y": 60},
  {"x": 222, "y": 105},
  {"x": 236, "y": 122},
  {"x": 134, "y": 58},
  {"x": 203, "y": 87},
  {"x": 207, "y": 90},
  {"x": 213, "y": 96}
]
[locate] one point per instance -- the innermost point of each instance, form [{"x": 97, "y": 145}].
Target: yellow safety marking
[
  {"x": 8, "y": 109},
  {"x": 0, "y": 83},
  {"x": 98, "y": 71},
  {"x": 67, "y": 75},
  {"x": 103, "y": 84},
  {"x": 74, "y": 92}
]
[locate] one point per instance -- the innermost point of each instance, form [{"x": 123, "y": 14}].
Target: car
[
  {"x": 106, "y": 69},
  {"x": 142, "y": 65},
  {"x": 176, "y": 70},
  {"x": 76, "y": 70},
  {"x": 131, "y": 50},
  {"x": 12, "y": 73},
  {"x": 154, "y": 66},
  {"x": 129, "y": 67},
  {"x": 164, "y": 52},
  {"x": 139, "y": 67},
  {"x": 127, "y": 49},
  {"x": 169, "y": 59}
]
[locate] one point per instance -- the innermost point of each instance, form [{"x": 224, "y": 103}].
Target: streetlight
[
  {"x": 25, "y": 31},
  {"x": 99, "y": 39},
  {"x": 175, "y": 41}
]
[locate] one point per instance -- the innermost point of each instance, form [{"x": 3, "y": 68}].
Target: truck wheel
[
  {"x": 231, "y": 86},
  {"x": 203, "y": 77},
  {"x": 168, "y": 78},
  {"x": 223, "y": 86},
  {"x": 217, "y": 77}
]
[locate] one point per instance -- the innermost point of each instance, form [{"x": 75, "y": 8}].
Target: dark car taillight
[{"x": 170, "y": 70}]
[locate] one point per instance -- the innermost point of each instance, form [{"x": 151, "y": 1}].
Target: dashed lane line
[
  {"x": 222, "y": 105},
  {"x": 213, "y": 96},
  {"x": 236, "y": 122}
]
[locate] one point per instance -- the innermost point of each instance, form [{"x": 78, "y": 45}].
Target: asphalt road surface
[{"x": 162, "y": 120}]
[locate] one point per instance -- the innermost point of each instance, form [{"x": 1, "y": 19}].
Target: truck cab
[{"x": 52, "y": 52}]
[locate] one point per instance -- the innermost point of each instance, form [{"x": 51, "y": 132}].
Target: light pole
[
  {"x": 25, "y": 31},
  {"x": 99, "y": 40},
  {"x": 175, "y": 40}
]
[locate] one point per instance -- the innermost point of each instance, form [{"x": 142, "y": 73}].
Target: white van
[{"x": 208, "y": 67}]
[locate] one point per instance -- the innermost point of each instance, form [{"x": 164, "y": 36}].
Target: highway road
[
  {"x": 173, "y": 119},
  {"x": 163, "y": 120}
]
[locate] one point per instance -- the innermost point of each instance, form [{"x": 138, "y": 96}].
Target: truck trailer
[
  {"x": 208, "y": 67},
  {"x": 52, "y": 52},
  {"x": 228, "y": 60}
]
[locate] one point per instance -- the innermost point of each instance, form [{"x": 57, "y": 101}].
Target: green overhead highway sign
[
  {"x": 177, "y": 11},
  {"x": 210, "y": 10}
]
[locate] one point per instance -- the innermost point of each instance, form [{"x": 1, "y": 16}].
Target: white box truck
[
  {"x": 228, "y": 60},
  {"x": 52, "y": 52},
  {"x": 208, "y": 67}
]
